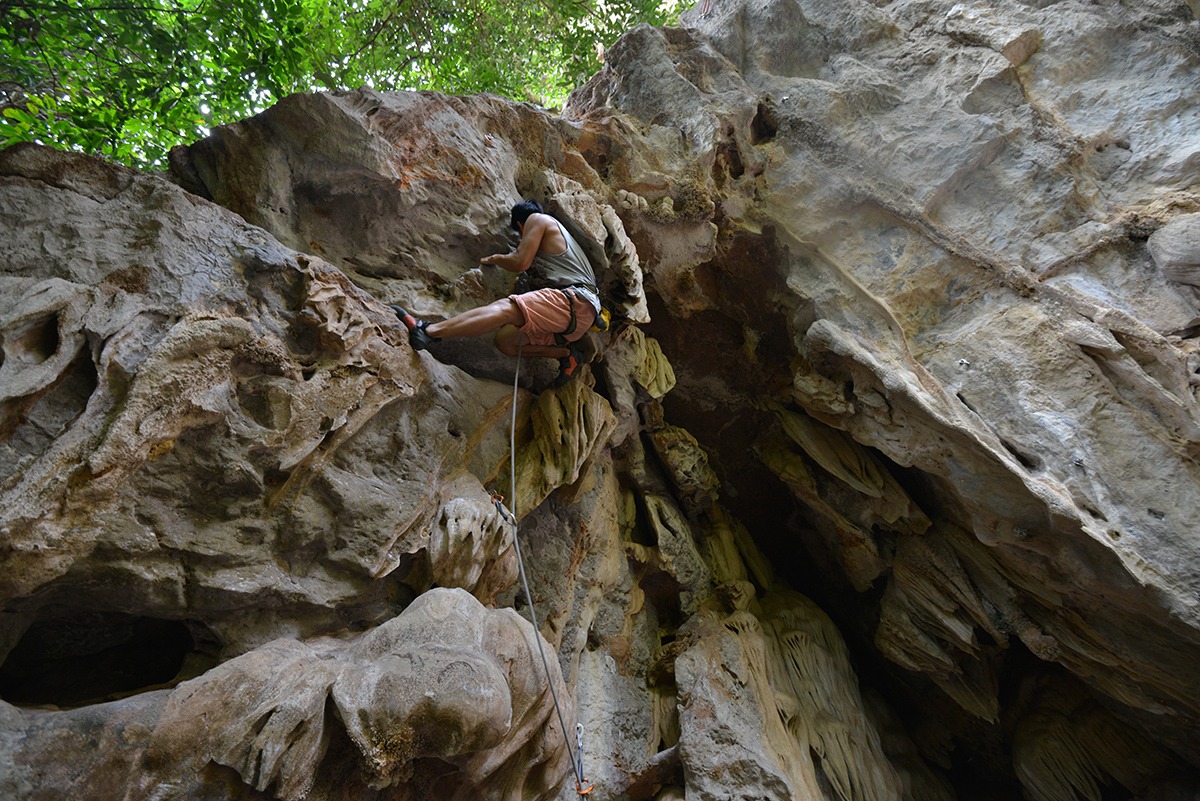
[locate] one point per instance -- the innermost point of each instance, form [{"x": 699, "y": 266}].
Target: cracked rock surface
[{"x": 879, "y": 487}]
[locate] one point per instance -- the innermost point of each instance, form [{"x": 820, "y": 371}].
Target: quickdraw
[
  {"x": 579, "y": 788},
  {"x": 498, "y": 502}
]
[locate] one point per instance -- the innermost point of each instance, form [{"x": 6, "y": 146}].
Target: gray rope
[{"x": 576, "y": 762}]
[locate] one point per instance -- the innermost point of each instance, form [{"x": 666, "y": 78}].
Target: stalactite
[
  {"x": 467, "y": 537},
  {"x": 811, "y": 663},
  {"x": 1067, "y": 747},
  {"x": 652, "y": 370},
  {"x": 687, "y": 465},
  {"x": 928, "y": 619},
  {"x": 834, "y": 451},
  {"x": 568, "y": 426}
]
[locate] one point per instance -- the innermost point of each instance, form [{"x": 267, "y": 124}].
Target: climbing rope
[{"x": 581, "y": 785}]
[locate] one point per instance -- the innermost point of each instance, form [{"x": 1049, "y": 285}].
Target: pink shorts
[{"x": 547, "y": 313}]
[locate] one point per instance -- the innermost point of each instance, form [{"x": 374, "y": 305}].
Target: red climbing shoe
[
  {"x": 568, "y": 367},
  {"x": 418, "y": 337}
]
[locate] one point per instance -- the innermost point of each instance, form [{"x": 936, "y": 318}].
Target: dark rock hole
[
  {"x": 764, "y": 126},
  {"x": 663, "y": 592},
  {"x": 1027, "y": 460},
  {"x": 91, "y": 656},
  {"x": 728, "y": 162},
  {"x": 34, "y": 342}
]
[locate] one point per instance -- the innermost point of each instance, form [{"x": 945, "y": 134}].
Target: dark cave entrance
[{"x": 84, "y": 657}]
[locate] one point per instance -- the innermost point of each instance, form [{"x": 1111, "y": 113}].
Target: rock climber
[{"x": 560, "y": 307}]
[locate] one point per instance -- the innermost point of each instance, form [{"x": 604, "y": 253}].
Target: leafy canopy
[{"x": 129, "y": 79}]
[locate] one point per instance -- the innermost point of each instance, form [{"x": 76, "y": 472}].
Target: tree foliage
[{"x": 131, "y": 78}]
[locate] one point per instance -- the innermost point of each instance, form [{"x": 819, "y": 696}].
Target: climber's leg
[{"x": 481, "y": 320}]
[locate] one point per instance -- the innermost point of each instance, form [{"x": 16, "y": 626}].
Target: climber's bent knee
[
  {"x": 508, "y": 340},
  {"x": 509, "y": 311}
]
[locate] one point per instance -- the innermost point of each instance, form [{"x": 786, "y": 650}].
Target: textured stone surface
[
  {"x": 446, "y": 683},
  {"x": 1176, "y": 249},
  {"x": 880, "y": 487}
]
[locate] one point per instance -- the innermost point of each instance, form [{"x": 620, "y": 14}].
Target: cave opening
[{"x": 70, "y": 660}]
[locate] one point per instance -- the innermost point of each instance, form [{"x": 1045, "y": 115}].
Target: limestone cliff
[{"x": 879, "y": 487}]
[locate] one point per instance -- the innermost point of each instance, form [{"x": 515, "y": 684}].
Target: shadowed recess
[{"x": 74, "y": 659}]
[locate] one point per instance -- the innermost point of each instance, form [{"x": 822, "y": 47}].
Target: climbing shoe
[
  {"x": 569, "y": 366},
  {"x": 418, "y": 337}
]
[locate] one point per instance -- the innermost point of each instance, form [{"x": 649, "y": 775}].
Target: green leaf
[{"x": 128, "y": 80}]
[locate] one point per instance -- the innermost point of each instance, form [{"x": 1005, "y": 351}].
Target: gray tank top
[{"x": 567, "y": 270}]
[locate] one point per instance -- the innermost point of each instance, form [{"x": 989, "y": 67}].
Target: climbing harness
[
  {"x": 600, "y": 323},
  {"x": 581, "y": 783},
  {"x": 561, "y": 338}
]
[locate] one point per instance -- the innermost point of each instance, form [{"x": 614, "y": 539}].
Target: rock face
[
  {"x": 880, "y": 487},
  {"x": 446, "y": 683}
]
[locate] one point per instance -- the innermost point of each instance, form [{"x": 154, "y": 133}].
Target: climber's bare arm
[{"x": 531, "y": 239}]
